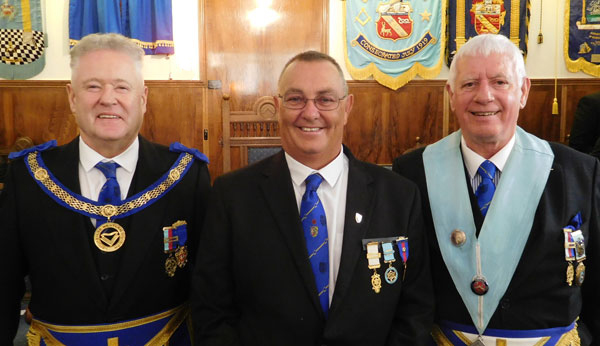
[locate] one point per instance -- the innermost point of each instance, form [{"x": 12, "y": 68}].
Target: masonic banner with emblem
[
  {"x": 469, "y": 18},
  {"x": 582, "y": 36},
  {"x": 394, "y": 40},
  {"x": 22, "y": 40}
]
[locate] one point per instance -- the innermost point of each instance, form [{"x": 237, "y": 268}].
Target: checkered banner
[
  {"x": 394, "y": 40},
  {"x": 469, "y": 18},
  {"x": 582, "y": 36},
  {"x": 22, "y": 40}
]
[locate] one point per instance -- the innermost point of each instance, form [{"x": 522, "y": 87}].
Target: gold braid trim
[
  {"x": 40, "y": 330},
  {"x": 108, "y": 210},
  {"x": 439, "y": 337},
  {"x": 570, "y": 338}
]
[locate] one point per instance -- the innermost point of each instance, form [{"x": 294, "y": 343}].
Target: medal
[
  {"x": 402, "y": 243},
  {"x": 373, "y": 256},
  {"x": 170, "y": 266},
  {"x": 391, "y": 274},
  {"x": 107, "y": 240},
  {"x": 570, "y": 274},
  {"x": 174, "y": 239},
  {"x": 580, "y": 274}
]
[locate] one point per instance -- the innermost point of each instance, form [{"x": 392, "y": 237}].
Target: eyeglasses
[{"x": 323, "y": 102}]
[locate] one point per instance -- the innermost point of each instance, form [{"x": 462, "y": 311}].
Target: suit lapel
[
  {"x": 141, "y": 228},
  {"x": 70, "y": 227},
  {"x": 278, "y": 192},
  {"x": 359, "y": 198}
]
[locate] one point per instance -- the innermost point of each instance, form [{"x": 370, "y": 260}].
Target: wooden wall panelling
[
  {"x": 173, "y": 107},
  {"x": 247, "y": 60},
  {"x": 537, "y": 117},
  {"x": 385, "y": 123}
]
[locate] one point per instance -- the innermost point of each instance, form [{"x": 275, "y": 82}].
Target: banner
[
  {"x": 394, "y": 40},
  {"x": 149, "y": 23},
  {"x": 22, "y": 40},
  {"x": 582, "y": 36},
  {"x": 469, "y": 18}
]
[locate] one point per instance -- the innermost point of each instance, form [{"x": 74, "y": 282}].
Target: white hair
[{"x": 486, "y": 45}]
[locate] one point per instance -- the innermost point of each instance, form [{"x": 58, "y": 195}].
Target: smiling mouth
[
  {"x": 108, "y": 116},
  {"x": 484, "y": 114},
  {"x": 310, "y": 129}
]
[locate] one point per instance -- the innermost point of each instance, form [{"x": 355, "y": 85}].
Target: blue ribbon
[
  {"x": 575, "y": 222},
  {"x": 181, "y": 233},
  {"x": 177, "y": 147},
  {"x": 40, "y": 147}
]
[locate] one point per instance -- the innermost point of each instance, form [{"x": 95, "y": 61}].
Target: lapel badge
[
  {"x": 358, "y": 217},
  {"x": 479, "y": 285},
  {"x": 391, "y": 274},
  {"x": 458, "y": 238},
  {"x": 174, "y": 241},
  {"x": 373, "y": 256}
]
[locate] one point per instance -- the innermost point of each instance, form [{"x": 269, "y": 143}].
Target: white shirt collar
[
  {"x": 126, "y": 160},
  {"x": 330, "y": 173},
  {"x": 474, "y": 160}
]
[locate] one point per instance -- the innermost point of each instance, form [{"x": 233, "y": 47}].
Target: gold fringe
[
  {"x": 142, "y": 44},
  {"x": 570, "y": 338},
  {"x": 580, "y": 64},
  {"x": 397, "y": 82},
  {"x": 439, "y": 337}
]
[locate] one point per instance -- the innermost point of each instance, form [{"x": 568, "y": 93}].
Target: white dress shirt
[
  {"x": 474, "y": 160},
  {"x": 91, "y": 179},
  {"x": 332, "y": 193}
]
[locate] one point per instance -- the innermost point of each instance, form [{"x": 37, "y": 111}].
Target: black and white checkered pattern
[{"x": 13, "y": 51}]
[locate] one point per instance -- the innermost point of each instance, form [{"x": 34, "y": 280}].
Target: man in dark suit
[
  {"x": 512, "y": 220},
  {"x": 585, "y": 132},
  {"x": 102, "y": 245},
  {"x": 276, "y": 268}
]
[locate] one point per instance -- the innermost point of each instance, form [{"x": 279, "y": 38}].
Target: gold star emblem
[{"x": 425, "y": 16}]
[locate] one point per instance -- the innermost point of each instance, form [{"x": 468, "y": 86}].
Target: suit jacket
[
  {"x": 538, "y": 296},
  {"x": 253, "y": 284},
  {"x": 53, "y": 245},
  {"x": 585, "y": 132}
]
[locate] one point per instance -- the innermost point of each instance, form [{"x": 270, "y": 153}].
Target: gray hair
[
  {"x": 313, "y": 55},
  {"x": 486, "y": 45},
  {"x": 109, "y": 41}
]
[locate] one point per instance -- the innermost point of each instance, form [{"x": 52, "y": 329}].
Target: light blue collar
[{"x": 507, "y": 223}]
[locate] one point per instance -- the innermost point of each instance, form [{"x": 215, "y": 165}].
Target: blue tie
[
  {"x": 314, "y": 224},
  {"x": 110, "y": 192},
  {"x": 485, "y": 190}
]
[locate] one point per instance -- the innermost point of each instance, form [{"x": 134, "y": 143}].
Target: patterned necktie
[
  {"x": 314, "y": 224},
  {"x": 485, "y": 190},
  {"x": 110, "y": 192}
]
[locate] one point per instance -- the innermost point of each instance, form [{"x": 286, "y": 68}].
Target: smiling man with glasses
[{"x": 310, "y": 246}]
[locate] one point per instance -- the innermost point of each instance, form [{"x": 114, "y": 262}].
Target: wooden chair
[{"x": 255, "y": 133}]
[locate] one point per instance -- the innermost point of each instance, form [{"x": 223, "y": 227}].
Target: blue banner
[
  {"x": 582, "y": 36},
  {"x": 394, "y": 40},
  {"x": 148, "y": 23},
  {"x": 469, "y": 18}
]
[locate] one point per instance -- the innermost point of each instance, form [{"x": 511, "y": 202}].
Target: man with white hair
[
  {"x": 105, "y": 225},
  {"x": 512, "y": 219}
]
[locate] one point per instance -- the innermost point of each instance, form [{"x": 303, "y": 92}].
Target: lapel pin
[{"x": 358, "y": 218}]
